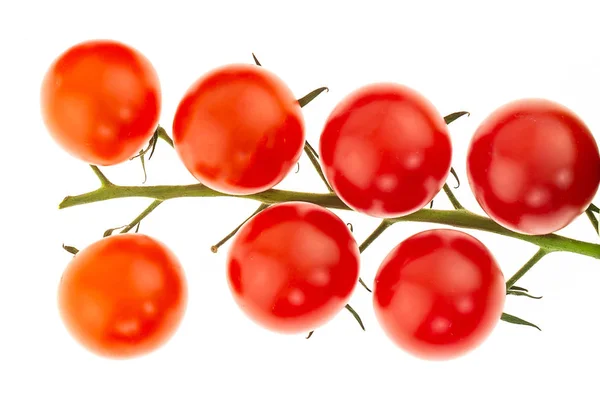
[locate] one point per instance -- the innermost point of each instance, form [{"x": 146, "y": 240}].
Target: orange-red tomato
[
  {"x": 101, "y": 101},
  {"x": 239, "y": 129},
  {"x": 123, "y": 296}
]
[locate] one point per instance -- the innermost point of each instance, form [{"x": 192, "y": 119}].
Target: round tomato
[
  {"x": 533, "y": 166},
  {"x": 385, "y": 150},
  {"x": 293, "y": 267},
  {"x": 439, "y": 294},
  {"x": 239, "y": 129},
  {"x": 123, "y": 296},
  {"x": 101, "y": 101}
]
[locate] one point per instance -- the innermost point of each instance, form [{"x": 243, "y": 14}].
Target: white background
[{"x": 462, "y": 55}]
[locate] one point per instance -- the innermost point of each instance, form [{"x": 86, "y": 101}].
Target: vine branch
[
  {"x": 526, "y": 267},
  {"x": 104, "y": 182},
  {"x": 455, "y": 203},
  {"x": 457, "y": 218},
  {"x": 215, "y": 248}
]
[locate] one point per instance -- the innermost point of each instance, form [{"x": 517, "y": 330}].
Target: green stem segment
[
  {"x": 142, "y": 215},
  {"x": 215, "y": 248},
  {"x": 314, "y": 159},
  {"x": 527, "y": 266},
  {"x": 456, "y": 218},
  {"x": 104, "y": 182},
  {"x": 385, "y": 223},
  {"x": 455, "y": 203}
]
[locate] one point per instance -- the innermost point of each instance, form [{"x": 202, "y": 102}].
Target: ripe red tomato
[
  {"x": 439, "y": 294},
  {"x": 101, "y": 101},
  {"x": 239, "y": 129},
  {"x": 533, "y": 166},
  {"x": 385, "y": 150},
  {"x": 123, "y": 296},
  {"x": 293, "y": 267}
]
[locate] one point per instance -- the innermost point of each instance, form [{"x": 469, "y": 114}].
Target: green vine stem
[
  {"x": 526, "y": 267},
  {"x": 456, "y": 218},
  {"x": 455, "y": 203},
  {"x": 385, "y": 223},
  {"x": 215, "y": 248}
]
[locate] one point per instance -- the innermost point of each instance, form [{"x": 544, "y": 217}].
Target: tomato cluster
[{"x": 385, "y": 150}]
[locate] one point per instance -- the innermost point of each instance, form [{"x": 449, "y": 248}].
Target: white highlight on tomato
[
  {"x": 358, "y": 161},
  {"x": 414, "y": 161},
  {"x": 387, "y": 183},
  {"x": 296, "y": 297},
  {"x": 564, "y": 178},
  {"x": 507, "y": 179}
]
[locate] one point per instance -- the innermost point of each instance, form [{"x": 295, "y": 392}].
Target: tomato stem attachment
[
  {"x": 110, "y": 231},
  {"x": 215, "y": 248},
  {"x": 526, "y": 267},
  {"x": 159, "y": 133}
]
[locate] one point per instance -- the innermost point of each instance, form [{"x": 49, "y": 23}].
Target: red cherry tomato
[
  {"x": 123, "y": 296},
  {"x": 439, "y": 294},
  {"x": 101, "y": 101},
  {"x": 385, "y": 150},
  {"x": 293, "y": 267},
  {"x": 533, "y": 166},
  {"x": 239, "y": 129}
]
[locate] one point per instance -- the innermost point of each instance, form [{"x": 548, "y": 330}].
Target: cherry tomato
[
  {"x": 123, "y": 296},
  {"x": 293, "y": 267},
  {"x": 239, "y": 129},
  {"x": 385, "y": 150},
  {"x": 439, "y": 294},
  {"x": 101, "y": 101},
  {"x": 533, "y": 166}
]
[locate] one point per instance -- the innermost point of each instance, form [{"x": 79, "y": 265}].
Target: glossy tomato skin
[
  {"x": 533, "y": 166},
  {"x": 385, "y": 150},
  {"x": 439, "y": 294},
  {"x": 293, "y": 267},
  {"x": 100, "y": 101},
  {"x": 123, "y": 296},
  {"x": 239, "y": 129}
]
